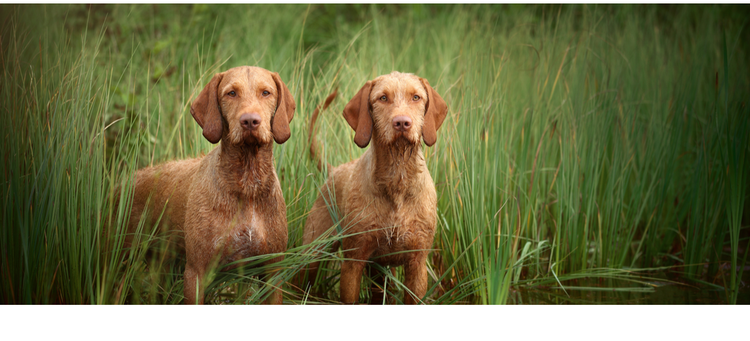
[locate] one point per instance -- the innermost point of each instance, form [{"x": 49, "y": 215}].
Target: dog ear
[
  {"x": 285, "y": 107},
  {"x": 435, "y": 112},
  {"x": 357, "y": 114},
  {"x": 206, "y": 111}
]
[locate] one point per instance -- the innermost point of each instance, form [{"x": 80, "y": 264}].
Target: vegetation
[{"x": 584, "y": 144}]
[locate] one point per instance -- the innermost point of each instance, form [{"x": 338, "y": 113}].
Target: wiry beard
[
  {"x": 245, "y": 168},
  {"x": 396, "y": 165},
  {"x": 402, "y": 149}
]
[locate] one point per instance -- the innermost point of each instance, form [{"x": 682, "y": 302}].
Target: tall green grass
[{"x": 582, "y": 142}]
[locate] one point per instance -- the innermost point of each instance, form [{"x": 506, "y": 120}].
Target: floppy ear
[
  {"x": 206, "y": 111},
  {"x": 435, "y": 112},
  {"x": 285, "y": 107},
  {"x": 357, "y": 114}
]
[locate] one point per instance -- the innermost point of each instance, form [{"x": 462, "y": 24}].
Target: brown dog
[
  {"x": 386, "y": 198},
  {"x": 228, "y": 204}
]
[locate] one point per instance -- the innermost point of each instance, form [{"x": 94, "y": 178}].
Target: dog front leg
[
  {"x": 352, "y": 268},
  {"x": 351, "y": 280},
  {"x": 415, "y": 272},
  {"x": 193, "y": 286},
  {"x": 275, "y": 297}
]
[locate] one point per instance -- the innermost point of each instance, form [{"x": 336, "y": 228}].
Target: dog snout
[
  {"x": 402, "y": 123},
  {"x": 250, "y": 121}
]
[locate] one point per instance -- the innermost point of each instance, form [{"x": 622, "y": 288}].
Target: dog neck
[
  {"x": 246, "y": 170},
  {"x": 396, "y": 168}
]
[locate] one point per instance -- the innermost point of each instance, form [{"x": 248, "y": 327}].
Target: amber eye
[
  {"x": 232, "y": 94},
  {"x": 416, "y": 98},
  {"x": 266, "y": 93},
  {"x": 383, "y": 98}
]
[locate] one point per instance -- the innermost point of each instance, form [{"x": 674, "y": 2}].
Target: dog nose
[
  {"x": 250, "y": 121},
  {"x": 402, "y": 123}
]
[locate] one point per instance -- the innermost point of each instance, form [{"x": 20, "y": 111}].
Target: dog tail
[{"x": 314, "y": 155}]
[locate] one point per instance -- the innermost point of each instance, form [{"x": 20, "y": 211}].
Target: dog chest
[
  {"x": 395, "y": 235},
  {"x": 402, "y": 237},
  {"x": 248, "y": 233}
]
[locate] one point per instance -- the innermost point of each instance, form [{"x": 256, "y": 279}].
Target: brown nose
[
  {"x": 250, "y": 121},
  {"x": 402, "y": 123}
]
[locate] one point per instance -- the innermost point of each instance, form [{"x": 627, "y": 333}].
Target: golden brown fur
[
  {"x": 386, "y": 198},
  {"x": 228, "y": 205}
]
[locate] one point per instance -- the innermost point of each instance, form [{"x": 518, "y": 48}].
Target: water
[{"x": 624, "y": 292}]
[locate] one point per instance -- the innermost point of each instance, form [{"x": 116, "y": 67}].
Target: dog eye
[
  {"x": 383, "y": 98},
  {"x": 232, "y": 94},
  {"x": 266, "y": 93},
  {"x": 416, "y": 98}
]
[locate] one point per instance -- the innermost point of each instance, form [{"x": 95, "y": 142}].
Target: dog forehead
[
  {"x": 397, "y": 82},
  {"x": 248, "y": 76}
]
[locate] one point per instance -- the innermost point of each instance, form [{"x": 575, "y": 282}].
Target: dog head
[
  {"x": 397, "y": 107},
  {"x": 245, "y": 105}
]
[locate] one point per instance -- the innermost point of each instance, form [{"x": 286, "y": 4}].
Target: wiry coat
[
  {"x": 386, "y": 199},
  {"x": 227, "y": 205}
]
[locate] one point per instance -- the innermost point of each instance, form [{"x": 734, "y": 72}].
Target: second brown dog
[{"x": 386, "y": 199}]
